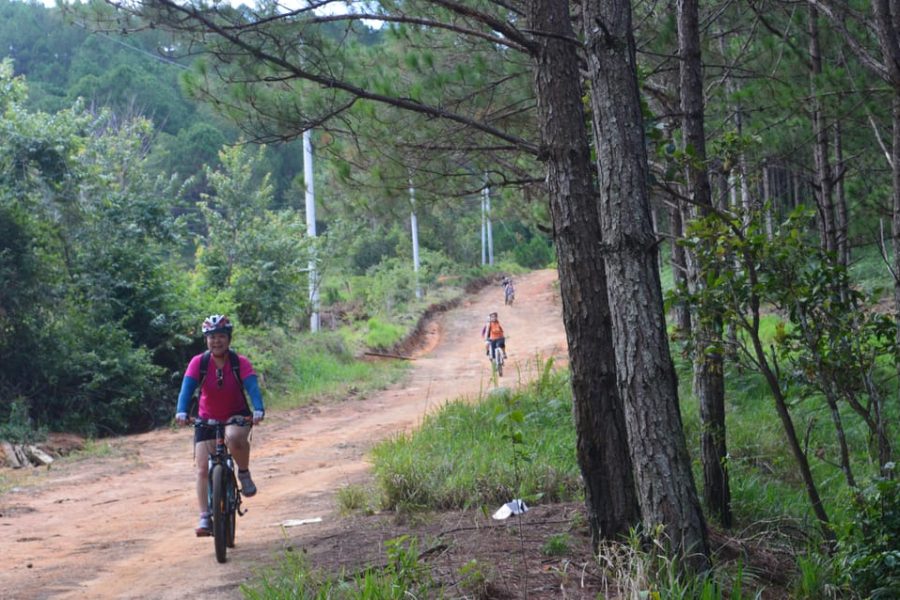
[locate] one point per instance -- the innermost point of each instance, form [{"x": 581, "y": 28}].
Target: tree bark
[
  {"x": 824, "y": 185},
  {"x": 679, "y": 270},
  {"x": 602, "y": 443},
  {"x": 709, "y": 377},
  {"x": 842, "y": 222},
  {"x": 645, "y": 373}
]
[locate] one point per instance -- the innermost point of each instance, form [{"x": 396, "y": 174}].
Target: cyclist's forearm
[
  {"x": 251, "y": 384},
  {"x": 188, "y": 385}
]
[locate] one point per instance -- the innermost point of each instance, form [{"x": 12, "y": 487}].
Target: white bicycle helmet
[{"x": 217, "y": 324}]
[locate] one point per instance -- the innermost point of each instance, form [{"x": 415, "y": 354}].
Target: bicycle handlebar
[{"x": 236, "y": 420}]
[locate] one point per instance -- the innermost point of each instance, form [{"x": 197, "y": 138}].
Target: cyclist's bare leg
[
  {"x": 202, "y": 450},
  {"x": 238, "y": 442}
]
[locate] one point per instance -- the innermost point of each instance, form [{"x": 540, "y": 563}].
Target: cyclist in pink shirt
[{"x": 223, "y": 377}]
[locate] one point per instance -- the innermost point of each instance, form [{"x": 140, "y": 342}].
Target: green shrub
[
  {"x": 536, "y": 253},
  {"x": 382, "y": 335},
  {"x": 20, "y": 428},
  {"x": 557, "y": 544},
  {"x": 869, "y": 545}
]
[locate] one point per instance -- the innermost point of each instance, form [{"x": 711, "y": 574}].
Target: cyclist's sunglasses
[{"x": 220, "y": 377}]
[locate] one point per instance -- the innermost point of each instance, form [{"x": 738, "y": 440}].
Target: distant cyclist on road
[
  {"x": 509, "y": 291},
  {"x": 223, "y": 376},
  {"x": 492, "y": 332}
]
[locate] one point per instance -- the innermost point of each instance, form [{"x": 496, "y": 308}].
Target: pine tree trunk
[
  {"x": 645, "y": 373},
  {"x": 824, "y": 192},
  {"x": 679, "y": 271},
  {"x": 895, "y": 219},
  {"x": 842, "y": 216},
  {"x": 709, "y": 378},
  {"x": 602, "y": 444}
]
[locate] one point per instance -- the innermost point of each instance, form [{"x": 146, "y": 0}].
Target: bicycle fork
[{"x": 233, "y": 499}]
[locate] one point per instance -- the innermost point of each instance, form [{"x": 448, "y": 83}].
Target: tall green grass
[
  {"x": 509, "y": 445},
  {"x": 299, "y": 369}
]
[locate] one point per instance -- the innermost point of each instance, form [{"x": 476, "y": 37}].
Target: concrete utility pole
[
  {"x": 483, "y": 232},
  {"x": 414, "y": 226},
  {"x": 311, "y": 230},
  {"x": 487, "y": 220}
]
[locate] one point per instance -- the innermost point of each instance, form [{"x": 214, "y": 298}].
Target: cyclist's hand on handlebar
[
  {"x": 258, "y": 415},
  {"x": 181, "y": 418}
]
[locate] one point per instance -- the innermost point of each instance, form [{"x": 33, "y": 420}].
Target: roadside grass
[
  {"x": 508, "y": 445},
  {"x": 521, "y": 445},
  {"x": 298, "y": 369},
  {"x": 404, "y": 576},
  {"x": 356, "y": 499},
  {"x": 513, "y": 445}
]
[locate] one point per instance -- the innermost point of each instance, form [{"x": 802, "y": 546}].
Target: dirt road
[{"x": 121, "y": 526}]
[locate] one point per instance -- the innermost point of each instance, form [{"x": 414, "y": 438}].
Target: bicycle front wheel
[
  {"x": 220, "y": 511},
  {"x": 231, "y": 520}
]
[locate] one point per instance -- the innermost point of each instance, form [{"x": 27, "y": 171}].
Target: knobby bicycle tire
[
  {"x": 220, "y": 512},
  {"x": 232, "y": 511}
]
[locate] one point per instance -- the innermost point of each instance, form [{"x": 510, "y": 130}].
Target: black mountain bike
[{"x": 224, "y": 494}]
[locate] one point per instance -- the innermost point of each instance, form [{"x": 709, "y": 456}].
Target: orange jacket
[{"x": 494, "y": 330}]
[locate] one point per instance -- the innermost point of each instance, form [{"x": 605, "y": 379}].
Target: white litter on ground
[
  {"x": 514, "y": 507},
  {"x": 298, "y": 522}
]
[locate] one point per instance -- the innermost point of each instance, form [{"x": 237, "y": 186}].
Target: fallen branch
[
  {"x": 38, "y": 456},
  {"x": 18, "y": 456},
  {"x": 384, "y": 355},
  {"x": 9, "y": 455}
]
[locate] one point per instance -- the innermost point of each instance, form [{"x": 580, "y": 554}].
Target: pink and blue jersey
[{"x": 221, "y": 396}]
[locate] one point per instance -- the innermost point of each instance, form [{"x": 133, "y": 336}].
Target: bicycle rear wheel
[{"x": 219, "y": 511}]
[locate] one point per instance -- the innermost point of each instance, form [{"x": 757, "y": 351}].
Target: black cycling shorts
[{"x": 203, "y": 434}]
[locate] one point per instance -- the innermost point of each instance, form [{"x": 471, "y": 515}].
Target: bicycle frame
[
  {"x": 496, "y": 356},
  {"x": 224, "y": 503}
]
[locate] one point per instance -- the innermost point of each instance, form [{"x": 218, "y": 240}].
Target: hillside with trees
[{"x": 743, "y": 157}]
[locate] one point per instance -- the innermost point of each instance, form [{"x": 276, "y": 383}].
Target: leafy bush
[
  {"x": 382, "y": 335},
  {"x": 536, "y": 253},
  {"x": 373, "y": 246},
  {"x": 391, "y": 286},
  {"x": 260, "y": 254},
  {"x": 20, "y": 428},
  {"x": 869, "y": 545}
]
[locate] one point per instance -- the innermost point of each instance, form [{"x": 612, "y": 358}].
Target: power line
[{"x": 162, "y": 59}]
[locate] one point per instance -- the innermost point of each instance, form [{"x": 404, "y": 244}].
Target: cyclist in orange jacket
[{"x": 492, "y": 332}]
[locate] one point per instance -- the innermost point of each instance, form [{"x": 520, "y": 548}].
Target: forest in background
[{"x": 770, "y": 179}]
